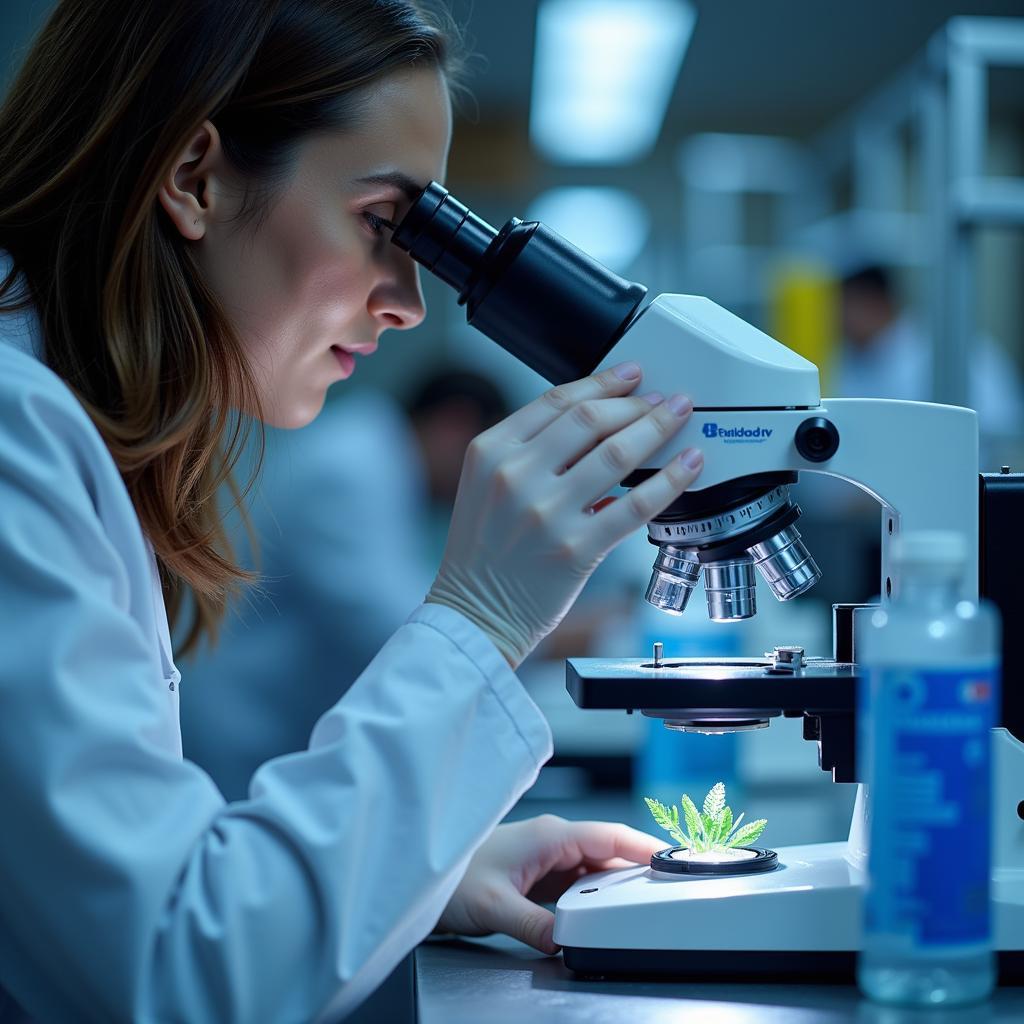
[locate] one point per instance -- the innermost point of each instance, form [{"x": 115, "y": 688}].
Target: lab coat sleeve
[{"x": 129, "y": 890}]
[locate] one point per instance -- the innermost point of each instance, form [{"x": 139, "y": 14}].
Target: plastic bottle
[{"x": 925, "y": 714}]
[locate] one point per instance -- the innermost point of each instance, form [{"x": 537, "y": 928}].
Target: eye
[
  {"x": 378, "y": 217},
  {"x": 376, "y": 223}
]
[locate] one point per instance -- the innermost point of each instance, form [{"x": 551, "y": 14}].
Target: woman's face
[{"x": 311, "y": 288}]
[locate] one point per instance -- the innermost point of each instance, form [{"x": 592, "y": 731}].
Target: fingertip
[
  {"x": 546, "y": 943},
  {"x": 628, "y": 371},
  {"x": 538, "y": 929},
  {"x": 641, "y": 849},
  {"x": 692, "y": 459}
]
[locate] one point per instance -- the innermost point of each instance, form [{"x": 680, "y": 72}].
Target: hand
[
  {"x": 525, "y": 535},
  {"x": 537, "y": 859}
]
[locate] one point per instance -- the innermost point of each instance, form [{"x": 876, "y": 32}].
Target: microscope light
[{"x": 677, "y": 861}]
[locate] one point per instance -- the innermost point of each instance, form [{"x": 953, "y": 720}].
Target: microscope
[{"x": 761, "y": 421}]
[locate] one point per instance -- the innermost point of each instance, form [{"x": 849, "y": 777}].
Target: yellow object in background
[{"x": 804, "y": 313}]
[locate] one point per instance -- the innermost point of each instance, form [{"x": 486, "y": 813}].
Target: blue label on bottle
[{"x": 928, "y": 747}]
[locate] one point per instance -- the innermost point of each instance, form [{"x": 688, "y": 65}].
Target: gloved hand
[
  {"x": 536, "y": 860},
  {"x": 524, "y": 535}
]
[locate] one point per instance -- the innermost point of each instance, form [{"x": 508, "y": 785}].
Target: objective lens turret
[{"x": 727, "y": 532}]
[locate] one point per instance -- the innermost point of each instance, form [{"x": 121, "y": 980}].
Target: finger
[
  {"x": 618, "y": 455},
  {"x": 631, "y": 511},
  {"x": 586, "y": 424},
  {"x": 617, "y": 863},
  {"x": 527, "y": 422},
  {"x": 609, "y": 842},
  {"x": 513, "y": 914}
]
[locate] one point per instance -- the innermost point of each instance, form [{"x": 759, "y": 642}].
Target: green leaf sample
[
  {"x": 714, "y": 802},
  {"x": 710, "y": 829}
]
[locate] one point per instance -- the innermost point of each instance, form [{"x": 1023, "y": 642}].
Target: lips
[{"x": 359, "y": 350}]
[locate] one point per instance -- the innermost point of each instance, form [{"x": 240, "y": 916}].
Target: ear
[{"x": 189, "y": 194}]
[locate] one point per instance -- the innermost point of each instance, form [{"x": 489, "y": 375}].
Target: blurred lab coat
[
  {"x": 898, "y": 364},
  {"x": 131, "y": 889},
  {"x": 339, "y": 510}
]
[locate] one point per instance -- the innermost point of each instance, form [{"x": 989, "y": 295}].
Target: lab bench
[{"x": 500, "y": 981}]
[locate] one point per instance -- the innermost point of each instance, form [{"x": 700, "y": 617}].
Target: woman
[{"x": 192, "y": 197}]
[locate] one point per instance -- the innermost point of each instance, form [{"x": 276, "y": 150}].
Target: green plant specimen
[{"x": 709, "y": 830}]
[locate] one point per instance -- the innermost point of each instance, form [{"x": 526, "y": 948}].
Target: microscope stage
[{"x": 704, "y": 683}]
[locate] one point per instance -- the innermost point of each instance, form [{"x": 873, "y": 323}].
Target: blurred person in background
[
  {"x": 446, "y": 410},
  {"x": 886, "y": 353}
]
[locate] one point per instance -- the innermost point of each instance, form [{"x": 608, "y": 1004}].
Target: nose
[{"x": 396, "y": 302}]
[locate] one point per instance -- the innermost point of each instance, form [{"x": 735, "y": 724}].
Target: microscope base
[{"x": 800, "y": 921}]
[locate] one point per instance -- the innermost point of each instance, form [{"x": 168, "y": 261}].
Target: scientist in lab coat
[{"x": 192, "y": 207}]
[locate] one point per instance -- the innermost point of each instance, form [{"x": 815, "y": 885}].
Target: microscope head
[{"x": 565, "y": 316}]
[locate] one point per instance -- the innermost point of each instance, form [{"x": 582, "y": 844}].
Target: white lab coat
[
  {"x": 338, "y": 513},
  {"x": 129, "y": 889}
]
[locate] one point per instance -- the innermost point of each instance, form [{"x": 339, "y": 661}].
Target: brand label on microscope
[{"x": 738, "y": 435}]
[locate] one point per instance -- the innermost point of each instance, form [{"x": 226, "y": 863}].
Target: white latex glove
[
  {"x": 537, "y": 859},
  {"x": 525, "y": 535}
]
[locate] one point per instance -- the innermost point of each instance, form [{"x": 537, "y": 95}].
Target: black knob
[{"x": 817, "y": 439}]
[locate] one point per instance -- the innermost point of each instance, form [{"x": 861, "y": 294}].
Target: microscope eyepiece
[
  {"x": 443, "y": 235},
  {"x": 538, "y": 296}
]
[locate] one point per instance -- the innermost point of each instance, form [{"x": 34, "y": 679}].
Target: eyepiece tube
[
  {"x": 444, "y": 236},
  {"x": 527, "y": 288}
]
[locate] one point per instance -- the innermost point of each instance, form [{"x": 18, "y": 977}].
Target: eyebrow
[{"x": 402, "y": 182}]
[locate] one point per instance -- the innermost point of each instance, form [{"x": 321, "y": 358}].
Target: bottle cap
[{"x": 930, "y": 548}]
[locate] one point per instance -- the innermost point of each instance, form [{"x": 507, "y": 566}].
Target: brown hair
[{"x": 108, "y": 96}]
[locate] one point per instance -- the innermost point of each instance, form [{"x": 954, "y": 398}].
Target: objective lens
[
  {"x": 730, "y": 588},
  {"x": 785, "y": 563},
  {"x": 675, "y": 574}
]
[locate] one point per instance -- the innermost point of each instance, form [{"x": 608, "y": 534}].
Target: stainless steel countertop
[{"x": 501, "y": 981}]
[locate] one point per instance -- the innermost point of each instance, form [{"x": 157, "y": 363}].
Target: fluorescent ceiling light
[
  {"x": 603, "y": 74},
  {"x": 607, "y": 223}
]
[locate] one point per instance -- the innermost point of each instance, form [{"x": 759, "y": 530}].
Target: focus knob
[{"x": 817, "y": 439}]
